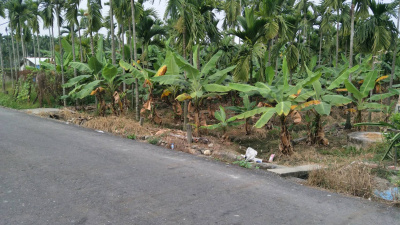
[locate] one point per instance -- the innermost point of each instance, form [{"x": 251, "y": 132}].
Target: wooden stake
[
  {"x": 185, "y": 113},
  {"x": 141, "y": 121},
  {"x": 189, "y": 133}
]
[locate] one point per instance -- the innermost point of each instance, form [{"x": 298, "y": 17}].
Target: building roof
[{"x": 38, "y": 60}]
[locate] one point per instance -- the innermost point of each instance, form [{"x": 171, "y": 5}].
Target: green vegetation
[
  {"x": 132, "y": 136},
  {"x": 289, "y": 61}
]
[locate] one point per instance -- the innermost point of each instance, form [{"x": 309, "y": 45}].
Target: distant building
[{"x": 32, "y": 62}]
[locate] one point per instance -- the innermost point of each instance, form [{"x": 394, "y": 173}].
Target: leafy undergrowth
[{"x": 7, "y": 100}]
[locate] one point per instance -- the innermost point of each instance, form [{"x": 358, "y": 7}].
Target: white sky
[{"x": 159, "y": 5}]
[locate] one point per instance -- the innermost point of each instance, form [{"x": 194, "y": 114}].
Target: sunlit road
[{"x": 54, "y": 173}]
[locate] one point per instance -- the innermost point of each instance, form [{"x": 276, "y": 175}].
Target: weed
[
  {"x": 153, "y": 141},
  {"x": 354, "y": 179},
  {"x": 132, "y": 136},
  {"x": 243, "y": 163}
]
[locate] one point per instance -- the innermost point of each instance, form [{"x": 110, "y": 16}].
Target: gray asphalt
[{"x": 54, "y": 173}]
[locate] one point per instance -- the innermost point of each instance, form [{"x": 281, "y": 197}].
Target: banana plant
[
  {"x": 247, "y": 106},
  {"x": 224, "y": 123},
  {"x": 316, "y": 134},
  {"x": 198, "y": 84},
  {"x": 283, "y": 100},
  {"x": 360, "y": 95}
]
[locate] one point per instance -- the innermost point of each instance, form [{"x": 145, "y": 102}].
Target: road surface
[{"x": 54, "y": 173}]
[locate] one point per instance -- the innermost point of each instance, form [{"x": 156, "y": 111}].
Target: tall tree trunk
[
  {"x": 337, "y": 41},
  {"x": 53, "y": 44},
  {"x": 91, "y": 43},
  {"x": 15, "y": 61},
  {"x": 34, "y": 48},
  {"x": 38, "y": 45},
  {"x": 11, "y": 62},
  {"x": 80, "y": 44},
  {"x": 123, "y": 54},
  {"x": 135, "y": 58},
  {"x": 112, "y": 33},
  {"x": 394, "y": 53},
  {"x": 61, "y": 56},
  {"x": 22, "y": 45},
  {"x": 2, "y": 67},
  {"x": 320, "y": 47},
  {"x": 74, "y": 54},
  {"x": 348, "y": 117},
  {"x": 131, "y": 59}
]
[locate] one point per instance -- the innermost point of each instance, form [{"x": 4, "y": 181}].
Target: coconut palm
[
  {"x": 337, "y": 6},
  {"x": 250, "y": 33},
  {"x": 94, "y": 19}
]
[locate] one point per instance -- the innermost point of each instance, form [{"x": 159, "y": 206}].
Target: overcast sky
[{"x": 159, "y": 6}]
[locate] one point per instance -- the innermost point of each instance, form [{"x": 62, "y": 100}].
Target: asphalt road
[{"x": 54, "y": 173}]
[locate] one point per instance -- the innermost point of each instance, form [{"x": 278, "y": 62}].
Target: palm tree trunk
[
  {"x": 348, "y": 117},
  {"x": 320, "y": 46},
  {"x": 34, "y": 48},
  {"x": 23, "y": 45},
  {"x": 394, "y": 53},
  {"x": 38, "y": 45},
  {"x": 91, "y": 43},
  {"x": 15, "y": 61},
  {"x": 130, "y": 43},
  {"x": 53, "y": 45},
  {"x": 112, "y": 33},
  {"x": 123, "y": 54},
  {"x": 135, "y": 58},
  {"x": 337, "y": 41},
  {"x": 11, "y": 62},
  {"x": 74, "y": 54},
  {"x": 2, "y": 68},
  {"x": 80, "y": 44},
  {"x": 61, "y": 56}
]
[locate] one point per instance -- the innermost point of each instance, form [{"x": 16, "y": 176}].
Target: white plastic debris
[
  {"x": 250, "y": 154},
  {"x": 100, "y": 131}
]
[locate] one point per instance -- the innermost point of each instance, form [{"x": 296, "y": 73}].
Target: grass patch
[
  {"x": 153, "y": 141},
  {"x": 132, "y": 136},
  {"x": 10, "y": 102}
]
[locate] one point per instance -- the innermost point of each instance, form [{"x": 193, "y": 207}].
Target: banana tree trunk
[
  {"x": 61, "y": 57},
  {"x": 285, "y": 146}
]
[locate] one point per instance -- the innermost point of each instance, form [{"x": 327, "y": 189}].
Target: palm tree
[
  {"x": 33, "y": 22},
  {"x": 335, "y": 5},
  {"x": 58, "y": 6},
  {"x": 94, "y": 19},
  {"x": 395, "y": 46},
  {"x": 112, "y": 32},
  {"x": 137, "y": 114},
  {"x": 47, "y": 14},
  {"x": 82, "y": 23},
  {"x": 251, "y": 33},
  {"x": 72, "y": 18},
  {"x": 147, "y": 29}
]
